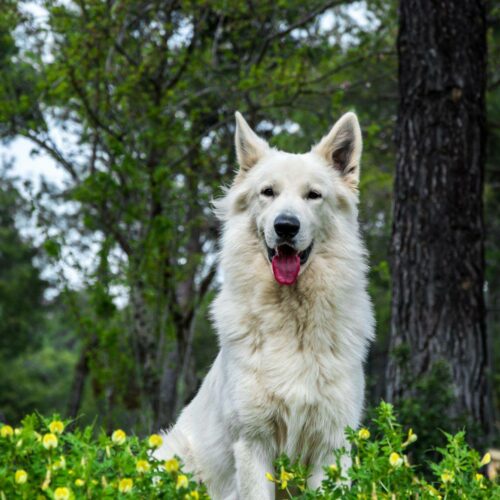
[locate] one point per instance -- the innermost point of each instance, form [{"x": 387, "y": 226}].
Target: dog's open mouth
[{"x": 286, "y": 262}]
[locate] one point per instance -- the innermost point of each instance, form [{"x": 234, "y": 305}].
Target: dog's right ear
[{"x": 250, "y": 148}]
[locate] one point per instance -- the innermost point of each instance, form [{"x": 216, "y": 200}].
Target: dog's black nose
[{"x": 286, "y": 226}]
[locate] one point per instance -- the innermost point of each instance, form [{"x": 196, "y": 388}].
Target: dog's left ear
[{"x": 342, "y": 148}]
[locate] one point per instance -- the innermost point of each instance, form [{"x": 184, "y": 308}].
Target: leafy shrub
[
  {"x": 382, "y": 468},
  {"x": 42, "y": 459}
]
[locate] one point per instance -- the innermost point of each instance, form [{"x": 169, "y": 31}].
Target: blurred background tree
[{"x": 134, "y": 101}]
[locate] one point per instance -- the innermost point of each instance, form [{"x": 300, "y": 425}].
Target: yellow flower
[
  {"x": 364, "y": 434},
  {"x": 193, "y": 494},
  {"x": 485, "y": 460},
  {"x": 333, "y": 467},
  {"x": 118, "y": 437},
  {"x": 182, "y": 481},
  {"x": 412, "y": 437},
  {"x": 49, "y": 441},
  {"x": 447, "y": 476},
  {"x": 56, "y": 427},
  {"x": 125, "y": 485},
  {"x": 62, "y": 493},
  {"x": 480, "y": 479},
  {"x": 171, "y": 465},
  {"x": 395, "y": 459},
  {"x": 142, "y": 466},
  {"x": 79, "y": 483},
  {"x": 155, "y": 441},
  {"x": 6, "y": 431},
  {"x": 21, "y": 476},
  {"x": 285, "y": 477},
  {"x": 270, "y": 477}
]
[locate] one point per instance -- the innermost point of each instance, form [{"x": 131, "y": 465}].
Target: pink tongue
[{"x": 286, "y": 268}]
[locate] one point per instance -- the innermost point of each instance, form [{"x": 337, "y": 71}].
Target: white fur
[{"x": 289, "y": 374}]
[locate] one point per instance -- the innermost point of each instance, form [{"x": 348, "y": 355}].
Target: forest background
[{"x": 106, "y": 275}]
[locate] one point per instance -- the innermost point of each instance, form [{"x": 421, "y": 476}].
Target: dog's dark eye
[
  {"x": 313, "y": 195},
  {"x": 267, "y": 192}
]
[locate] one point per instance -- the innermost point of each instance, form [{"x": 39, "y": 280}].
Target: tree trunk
[
  {"x": 78, "y": 385},
  {"x": 146, "y": 349},
  {"x": 438, "y": 311}
]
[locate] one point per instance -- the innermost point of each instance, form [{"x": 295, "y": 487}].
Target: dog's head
[{"x": 295, "y": 201}]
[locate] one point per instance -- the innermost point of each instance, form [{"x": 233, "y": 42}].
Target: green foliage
[
  {"x": 36, "y": 380},
  {"x": 383, "y": 467},
  {"x": 21, "y": 287},
  {"x": 42, "y": 459}
]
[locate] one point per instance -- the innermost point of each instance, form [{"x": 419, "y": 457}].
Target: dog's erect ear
[
  {"x": 342, "y": 147},
  {"x": 250, "y": 148}
]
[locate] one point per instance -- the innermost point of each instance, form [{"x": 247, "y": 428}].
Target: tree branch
[{"x": 298, "y": 24}]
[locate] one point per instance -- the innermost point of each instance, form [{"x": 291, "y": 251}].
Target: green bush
[{"x": 42, "y": 459}]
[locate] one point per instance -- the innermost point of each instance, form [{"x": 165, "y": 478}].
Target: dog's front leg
[{"x": 252, "y": 462}]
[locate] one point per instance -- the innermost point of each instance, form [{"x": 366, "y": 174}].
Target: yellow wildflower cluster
[
  {"x": 182, "y": 482},
  {"x": 62, "y": 493},
  {"x": 125, "y": 485},
  {"x": 56, "y": 427},
  {"x": 142, "y": 466},
  {"x": 6, "y": 431},
  {"x": 171, "y": 465},
  {"x": 412, "y": 437},
  {"x": 364, "y": 434},
  {"x": 49, "y": 441},
  {"x": 155, "y": 441},
  {"x": 285, "y": 477},
  {"x": 118, "y": 437},
  {"x": 283, "y": 480},
  {"x": 395, "y": 459},
  {"x": 21, "y": 476}
]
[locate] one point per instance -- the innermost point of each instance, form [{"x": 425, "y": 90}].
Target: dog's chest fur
[{"x": 294, "y": 371}]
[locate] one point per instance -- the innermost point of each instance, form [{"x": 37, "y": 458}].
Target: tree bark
[{"x": 438, "y": 311}]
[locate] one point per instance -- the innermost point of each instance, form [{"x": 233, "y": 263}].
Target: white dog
[{"x": 293, "y": 317}]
